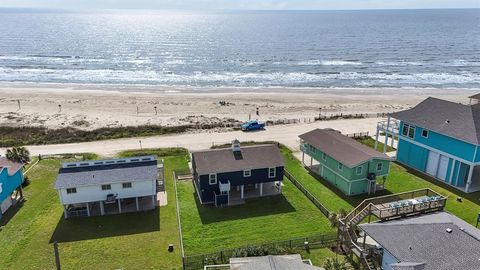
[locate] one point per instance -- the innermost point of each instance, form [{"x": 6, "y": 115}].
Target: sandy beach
[{"x": 92, "y": 106}]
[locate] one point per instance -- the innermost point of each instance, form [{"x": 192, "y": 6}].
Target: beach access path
[{"x": 285, "y": 134}]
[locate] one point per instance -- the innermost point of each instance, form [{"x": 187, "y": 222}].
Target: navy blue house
[{"x": 231, "y": 175}]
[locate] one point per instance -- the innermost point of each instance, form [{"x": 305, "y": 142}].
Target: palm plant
[
  {"x": 334, "y": 263},
  {"x": 18, "y": 154}
]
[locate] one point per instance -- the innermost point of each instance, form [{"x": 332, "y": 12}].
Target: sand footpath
[{"x": 92, "y": 106}]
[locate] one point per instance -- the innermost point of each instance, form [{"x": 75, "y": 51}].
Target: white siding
[{"x": 95, "y": 193}]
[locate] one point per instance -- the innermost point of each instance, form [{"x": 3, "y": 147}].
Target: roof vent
[
  {"x": 236, "y": 146},
  {"x": 449, "y": 230},
  {"x": 447, "y": 121},
  {"x": 462, "y": 229}
]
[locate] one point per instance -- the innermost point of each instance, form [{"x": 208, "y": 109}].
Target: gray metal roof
[
  {"x": 107, "y": 174},
  {"x": 226, "y": 160},
  {"x": 285, "y": 262},
  {"x": 425, "y": 240},
  {"x": 340, "y": 147},
  {"x": 445, "y": 117}
]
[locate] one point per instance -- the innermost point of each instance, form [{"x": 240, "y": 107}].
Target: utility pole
[
  {"x": 57, "y": 256},
  {"x": 19, "y": 105}
]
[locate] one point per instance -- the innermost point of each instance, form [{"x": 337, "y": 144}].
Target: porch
[
  {"x": 110, "y": 207},
  {"x": 238, "y": 194}
]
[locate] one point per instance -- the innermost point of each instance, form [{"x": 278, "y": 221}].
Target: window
[
  {"x": 71, "y": 190},
  {"x": 312, "y": 149},
  {"x": 324, "y": 156},
  {"x": 425, "y": 133},
  {"x": 106, "y": 187},
  {"x": 212, "y": 179},
  {"x": 247, "y": 173},
  {"x": 271, "y": 172},
  {"x": 359, "y": 170},
  {"x": 408, "y": 131},
  {"x": 340, "y": 166},
  {"x": 379, "y": 166},
  {"x": 127, "y": 185}
]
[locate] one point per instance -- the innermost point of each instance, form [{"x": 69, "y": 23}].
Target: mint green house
[{"x": 347, "y": 164}]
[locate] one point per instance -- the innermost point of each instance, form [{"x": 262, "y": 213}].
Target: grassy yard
[
  {"x": 124, "y": 241},
  {"x": 207, "y": 228},
  {"x": 400, "y": 179}
]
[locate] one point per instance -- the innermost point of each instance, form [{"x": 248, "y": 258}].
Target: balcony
[{"x": 392, "y": 128}]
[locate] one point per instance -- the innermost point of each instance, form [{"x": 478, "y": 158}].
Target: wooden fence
[
  {"x": 307, "y": 193},
  {"x": 198, "y": 262}
]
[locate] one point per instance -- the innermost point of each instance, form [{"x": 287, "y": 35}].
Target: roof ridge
[
  {"x": 357, "y": 145},
  {"x": 229, "y": 148}
]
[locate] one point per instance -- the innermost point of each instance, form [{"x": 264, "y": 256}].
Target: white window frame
[
  {"x": 270, "y": 175},
  {"x": 361, "y": 170},
  {"x": 106, "y": 185},
  {"x": 324, "y": 156},
  {"x": 71, "y": 190},
  {"x": 247, "y": 173},
  {"x": 340, "y": 166},
  {"x": 127, "y": 185},
  {"x": 425, "y": 130},
  {"x": 212, "y": 176},
  {"x": 406, "y": 131},
  {"x": 312, "y": 149},
  {"x": 379, "y": 166}
]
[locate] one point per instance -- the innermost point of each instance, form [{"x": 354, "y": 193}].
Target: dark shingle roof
[
  {"x": 424, "y": 239},
  {"x": 476, "y": 96},
  {"x": 12, "y": 167},
  {"x": 340, "y": 147},
  {"x": 445, "y": 117},
  {"x": 106, "y": 174},
  {"x": 224, "y": 160}
]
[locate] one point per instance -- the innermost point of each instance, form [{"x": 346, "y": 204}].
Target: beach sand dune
[{"x": 91, "y": 107}]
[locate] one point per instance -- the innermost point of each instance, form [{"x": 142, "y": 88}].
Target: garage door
[
  {"x": 432, "y": 163},
  {"x": 442, "y": 168},
  {"x": 6, "y": 204}
]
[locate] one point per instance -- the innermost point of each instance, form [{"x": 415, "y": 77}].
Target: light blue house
[
  {"x": 11, "y": 179},
  {"x": 439, "y": 138}
]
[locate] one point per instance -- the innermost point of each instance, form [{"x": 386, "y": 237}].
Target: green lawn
[
  {"x": 400, "y": 179},
  {"x": 124, "y": 241},
  {"x": 207, "y": 228}
]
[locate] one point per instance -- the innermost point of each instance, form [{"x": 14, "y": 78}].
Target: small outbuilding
[
  {"x": 101, "y": 187},
  {"x": 228, "y": 176}
]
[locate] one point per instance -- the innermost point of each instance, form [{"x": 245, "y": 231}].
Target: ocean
[{"x": 328, "y": 49}]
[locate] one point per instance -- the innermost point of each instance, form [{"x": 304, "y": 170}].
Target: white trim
[
  {"x": 324, "y": 156},
  {"x": 210, "y": 178},
  {"x": 249, "y": 173},
  {"x": 106, "y": 185},
  {"x": 340, "y": 166},
  {"x": 274, "y": 172},
  {"x": 381, "y": 166},
  {"x": 361, "y": 170},
  {"x": 74, "y": 191},
  {"x": 436, "y": 150},
  {"x": 428, "y": 132}
]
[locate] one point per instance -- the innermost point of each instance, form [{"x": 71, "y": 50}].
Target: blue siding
[
  {"x": 9, "y": 183},
  {"x": 388, "y": 260},
  {"x": 445, "y": 144},
  {"x": 412, "y": 155}
]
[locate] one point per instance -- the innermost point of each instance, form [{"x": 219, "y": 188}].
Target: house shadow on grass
[
  {"x": 474, "y": 196},
  {"x": 86, "y": 228},
  {"x": 12, "y": 211},
  {"x": 265, "y": 206},
  {"x": 353, "y": 200}
]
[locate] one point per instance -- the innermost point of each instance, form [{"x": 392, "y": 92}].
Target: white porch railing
[{"x": 393, "y": 127}]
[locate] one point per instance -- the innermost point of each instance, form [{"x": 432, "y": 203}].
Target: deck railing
[{"x": 393, "y": 127}]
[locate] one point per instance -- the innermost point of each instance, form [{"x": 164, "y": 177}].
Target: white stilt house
[{"x": 101, "y": 187}]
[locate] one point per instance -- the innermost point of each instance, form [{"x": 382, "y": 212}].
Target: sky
[{"x": 241, "y": 4}]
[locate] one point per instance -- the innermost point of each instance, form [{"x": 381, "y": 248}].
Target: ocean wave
[
  {"x": 327, "y": 79},
  {"x": 329, "y": 63}
]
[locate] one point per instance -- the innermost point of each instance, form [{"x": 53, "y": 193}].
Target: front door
[{"x": 432, "y": 163}]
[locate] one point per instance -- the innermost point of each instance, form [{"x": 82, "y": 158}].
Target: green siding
[{"x": 346, "y": 178}]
